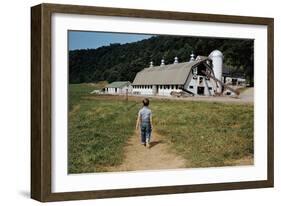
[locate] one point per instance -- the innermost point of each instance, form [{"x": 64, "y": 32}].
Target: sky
[{"x": 93, "y": 40}]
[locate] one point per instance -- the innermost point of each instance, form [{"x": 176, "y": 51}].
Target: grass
[
  {"x": 204, "y": 133},
  {"x": 77, "y": 91},
  {"x": 98, "y": 131}
]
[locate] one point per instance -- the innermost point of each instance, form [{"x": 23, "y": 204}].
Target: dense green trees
[{"x": 122, "y": 62}]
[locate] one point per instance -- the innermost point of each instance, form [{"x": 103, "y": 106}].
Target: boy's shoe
[
  {"x": 148, "y": 145},
  {"x": 143, "y": 143}
]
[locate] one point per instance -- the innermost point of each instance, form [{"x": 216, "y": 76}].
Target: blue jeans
[{"x": 145, "y": 133}]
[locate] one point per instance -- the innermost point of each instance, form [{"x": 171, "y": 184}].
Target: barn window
[
  {"x": 177, "y": 86},
  {"x": 160, "y": 86},
  {"x": 191, "y": 87},
  {"x": 194, "y": 70},
  {"x": 210, "y": 88}
]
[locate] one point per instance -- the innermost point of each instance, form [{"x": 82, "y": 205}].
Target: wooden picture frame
[{"x": 41, "y": 161}]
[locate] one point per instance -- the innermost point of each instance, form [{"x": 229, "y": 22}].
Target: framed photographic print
[{"x": 130, "y": 102}]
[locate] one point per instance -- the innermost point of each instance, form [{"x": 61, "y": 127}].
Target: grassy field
[
  {"x": 204, "y": 133},
  {"x": 98, "y": 130},
  {"x": 207, "y": 134}
]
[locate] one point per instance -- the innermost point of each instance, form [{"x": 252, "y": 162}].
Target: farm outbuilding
[
  {"x": 119, "y": 87},
  {"x": 234, "y": 79},
  {"x": 199, "y": 76}
]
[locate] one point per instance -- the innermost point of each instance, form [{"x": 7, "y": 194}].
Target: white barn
[
  {"x": 200, "y": 76},
  {"x": 119, "y": 87}
]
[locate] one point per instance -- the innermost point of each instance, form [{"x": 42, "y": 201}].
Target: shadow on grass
[{"x": 154, "y": 143}]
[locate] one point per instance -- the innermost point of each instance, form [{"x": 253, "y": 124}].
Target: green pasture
[{"x": 204, "y": 133}]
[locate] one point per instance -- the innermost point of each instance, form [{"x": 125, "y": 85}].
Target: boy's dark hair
[{"x": 145, "y": 102}]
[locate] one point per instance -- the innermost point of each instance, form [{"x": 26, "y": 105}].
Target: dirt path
[
  {"x": 247, "y": 95},
  {"x": 158, "y": 156}
]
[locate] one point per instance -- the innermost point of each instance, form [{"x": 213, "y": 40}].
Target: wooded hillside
[{"x": 121, "y": 62}]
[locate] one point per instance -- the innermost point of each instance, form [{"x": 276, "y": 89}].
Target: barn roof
[
  {"x": 118, "y": 84},
  {"x": 166, "y": 74}
]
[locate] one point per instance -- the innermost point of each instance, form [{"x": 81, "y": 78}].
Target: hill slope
[{"x": 122, "y": 62}]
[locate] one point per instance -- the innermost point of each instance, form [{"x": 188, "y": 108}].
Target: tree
[{"x": 122, "y": 62}]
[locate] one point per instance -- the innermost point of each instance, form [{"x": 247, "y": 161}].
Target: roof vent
[
  {"x": 192, "y": 57},
  {"x": 162, "y": 62},
  {"x": 151, "y": 64},
  {"x": 176, "y": 60}
]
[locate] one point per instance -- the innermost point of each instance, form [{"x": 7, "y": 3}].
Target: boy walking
[{"x": 144, "y": 121}]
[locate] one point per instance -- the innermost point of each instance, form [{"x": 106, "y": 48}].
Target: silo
[{"x": 217, "y": 58}]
